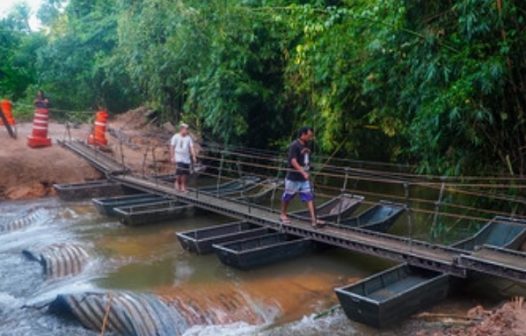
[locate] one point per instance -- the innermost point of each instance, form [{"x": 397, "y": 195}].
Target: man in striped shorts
[{"x": 297, "y": 179}]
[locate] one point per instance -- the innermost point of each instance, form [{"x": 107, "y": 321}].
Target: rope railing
[
  {"x": 363, "y": 178},
  {"x": 426, "y": 176},
  {"x": 257, "y": 156},
  {"x": 384, "y": 180},
  {"x": 372, "y": 179},
  {"x": 56, "y": 109},
  {"x": 431, "y": 203},
  {"x": 438, "y": 185},
  {"x": 273, "y": 153},
  {"x": 383, "y": 173}
]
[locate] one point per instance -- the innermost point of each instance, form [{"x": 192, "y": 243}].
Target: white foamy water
[
  {"x": 24, "y": 290},
  {"x": 334, "y": 324},
  {"x": 234, "y": 329},
  {"x": 72, "y": 285},
  {"x": 145, "y": 259},
  {"x": 8, "y": 301}
]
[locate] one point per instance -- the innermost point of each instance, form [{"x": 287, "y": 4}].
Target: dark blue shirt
[{"x": 301, "y": 153}]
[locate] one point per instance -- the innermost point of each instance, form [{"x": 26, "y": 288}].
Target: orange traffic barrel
[
  {"x": 7, "y": 108},
  {"x": 98, "y": 135},
  {"x": 38, "y": 137}
]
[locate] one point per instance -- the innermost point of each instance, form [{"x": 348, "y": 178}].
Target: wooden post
[
  {"x": 243, "y": 195},
  {"x": 144, "y": 161},
  {"x": 220, "y": 172},
  {"x": 122, "y": 154},
  {"x": 273, "y": 196},
  {"x": 342, "y": 191},
  {"x": 156, "y": 173},
  {"x": 409, "y": 213},
  {"x": 437, "y": 208},
  {"x": 68, "y": 131}
]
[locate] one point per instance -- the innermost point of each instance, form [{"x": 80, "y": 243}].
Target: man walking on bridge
[
  {"x": 297, "y": 180},
  {"x": 182, "y": 152}
]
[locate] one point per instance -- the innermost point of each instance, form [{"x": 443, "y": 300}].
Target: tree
[
  {"x": 436, "y": 83},
  {"x": 75, "y": 66},
  {"x": 18, "y": 47}
]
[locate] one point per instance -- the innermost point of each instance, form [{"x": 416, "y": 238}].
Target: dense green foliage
[{"x": 438, "y": 83}]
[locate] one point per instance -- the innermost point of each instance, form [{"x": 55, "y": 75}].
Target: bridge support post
[
  {"x": 144, "y": 158},
  {"x": 409, "y": 213},
  {"x": 156, "y": 171},
  {"x": 122, "y": 154},
  {"x": 243, "y": 195},
  {"x": 67, "y": 131},
  {"x": 342, "y": 191},
  {"x": 220, "y": 172},
  {"x": 273, "y": 196},
  {"x": 434, "y": 233}
]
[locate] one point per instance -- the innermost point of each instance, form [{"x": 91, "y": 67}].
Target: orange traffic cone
[
  {"x": 7, "y": 108},
  {"x": 38, "y": 137},
  {"x": 98, "y": 136}
]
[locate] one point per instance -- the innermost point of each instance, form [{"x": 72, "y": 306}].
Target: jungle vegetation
[{"x": 441, "y": 84}]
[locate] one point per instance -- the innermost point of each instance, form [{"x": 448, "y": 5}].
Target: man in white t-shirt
[{"x": 182, "y": 152}]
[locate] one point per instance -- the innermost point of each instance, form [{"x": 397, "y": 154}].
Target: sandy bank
[{"x": 28, "y": 173}]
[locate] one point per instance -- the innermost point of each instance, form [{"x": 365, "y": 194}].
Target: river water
[{"x": 281, "y": 299}]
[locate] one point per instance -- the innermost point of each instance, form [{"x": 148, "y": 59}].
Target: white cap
[{"x": 183, "y": 125}]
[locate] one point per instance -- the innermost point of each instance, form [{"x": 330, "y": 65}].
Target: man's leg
[
  {"x": 312, "y": 211},
  {"x": 184, "y": 176},
  {"x": 288, "y": 195},
  {"x": 177, "y": 177},
  {"x": 307, "y": 196},
  {"x": 284, "y": 209},
  {"x": 178, "y": 183},
  {"x": 184, "y": 183}
]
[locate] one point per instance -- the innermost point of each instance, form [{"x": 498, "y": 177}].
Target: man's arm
[
  {"x": 299, "y": 168},
  {"x": 172, "y": 149},
  {"x": 192, "y": 151}
]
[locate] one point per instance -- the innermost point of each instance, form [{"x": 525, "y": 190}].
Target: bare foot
[
  {"x": 318, "y": 223},
  {"x": 284, "y": 219}
]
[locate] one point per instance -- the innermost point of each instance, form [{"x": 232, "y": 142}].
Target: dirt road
[{"x": 27, "y": 173}]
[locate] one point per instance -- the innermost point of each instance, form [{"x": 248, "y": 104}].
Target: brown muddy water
[{"x": 281, "y": 299}]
